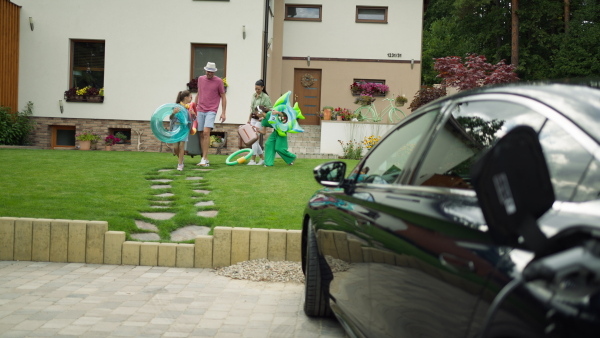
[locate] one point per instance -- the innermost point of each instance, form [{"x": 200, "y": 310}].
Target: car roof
[{"x": 578, "y": 103}]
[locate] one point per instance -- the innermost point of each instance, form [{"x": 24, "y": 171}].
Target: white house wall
[
  {"x": 339, "y": 36},
  {"x": 148, "y": 50}
]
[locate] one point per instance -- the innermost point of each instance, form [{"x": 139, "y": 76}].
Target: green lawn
[{"x": 116, "y": 187}]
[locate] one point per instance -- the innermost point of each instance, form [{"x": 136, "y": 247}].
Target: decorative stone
[
  {"x": 158, "y": 215},
  {"x": 162, "y": 180},
  {"x": 146, "y": 225},
  {"x": 193, "y": 178},
  {"x": 146, "y": 237},
  {"x": 189, "y": 232},
  {"x": 207, "y": 213},
  {"x": 201, "y": 191},
  {"x": 167, "y": 194},
  {"x": 204, "y": 204}
]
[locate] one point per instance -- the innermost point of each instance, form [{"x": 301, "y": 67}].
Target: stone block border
[{"x": 58, "y": 240}]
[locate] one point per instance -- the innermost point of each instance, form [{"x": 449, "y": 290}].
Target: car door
[{"x": 428, "y": 220}]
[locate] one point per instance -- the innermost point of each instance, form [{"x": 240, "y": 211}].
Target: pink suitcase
[{"x": 247, "y": 135}]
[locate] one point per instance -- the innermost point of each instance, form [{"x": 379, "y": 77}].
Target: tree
[{"x": 473, "y": 72}]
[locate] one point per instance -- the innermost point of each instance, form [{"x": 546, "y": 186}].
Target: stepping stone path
[
  {"x": 189, "y": 232},
  {"x": 182, "y": 234}
]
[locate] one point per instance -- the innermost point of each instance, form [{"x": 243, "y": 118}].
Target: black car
[{"x": 401, "y": 248}]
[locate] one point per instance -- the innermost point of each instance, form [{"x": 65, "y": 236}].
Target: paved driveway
[{"x": 71, "y": 299}]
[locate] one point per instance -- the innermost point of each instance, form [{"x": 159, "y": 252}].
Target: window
[
  {"x": 472, "y": 128},
  {"x": 371, "y": 14},
  {"x": 121, "y": 131},
  {"x": 567, "y": 161},
  {"x": 87, "y": 64},
  {"x": 201, "y": 55},
  {"x": 589, "y": 189},
  {"x": 63, "y": 136},
  {"x": 303, "y": 12},
  {"x": 386, "y": 162},
  {"x": 368, "y": 87}
]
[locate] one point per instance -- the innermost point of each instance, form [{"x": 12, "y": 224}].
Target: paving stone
[
  {"x": 207, "y": 213},
  {"x": 158, "y": 215},
  {"x": 161, "y": 186},
  {"x": 189, "y": 232},
  {"x": 146, "y": 237},
  {"x": 193, "y": 178},
  {"x": 204, "y": 204},
  {"x": 162, "y": 180},
  {"x": 201, "y": 191},
  {"x": 202, "y": 169},
  {"x": 146, "y": 225},
  {"x": 167, "y": 194}
]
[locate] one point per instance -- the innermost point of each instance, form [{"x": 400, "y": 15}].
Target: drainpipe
[{"x": 265, "y": 42}]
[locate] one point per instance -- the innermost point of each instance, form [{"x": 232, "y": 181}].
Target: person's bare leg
[{"x": 205, "y": 142}]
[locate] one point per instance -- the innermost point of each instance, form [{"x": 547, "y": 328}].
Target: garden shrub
[{"x": 15, "y": 128}]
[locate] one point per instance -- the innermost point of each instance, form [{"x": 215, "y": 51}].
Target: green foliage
[
  {"x": 546, "y": 49},
  {"x": 482, "y": 131},
  {"x": 121, "y": 136},
  {"x": 16, "y": 128},
  {"x": 352, "y": 149}
]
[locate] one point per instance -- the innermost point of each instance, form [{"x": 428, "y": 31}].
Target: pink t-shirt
[{"x": 209, "y": 93}]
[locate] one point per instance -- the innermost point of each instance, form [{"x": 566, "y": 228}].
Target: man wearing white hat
[{"x": 211, "y": 91}]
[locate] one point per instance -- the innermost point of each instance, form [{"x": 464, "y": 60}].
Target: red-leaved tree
[{"x": 474, "y": 71}]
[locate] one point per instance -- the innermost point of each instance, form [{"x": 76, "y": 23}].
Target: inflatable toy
[
  {"x": 240, "y": 160},
  {"x": 180, "y": 128},
  {"x": 291, "y": 125}
]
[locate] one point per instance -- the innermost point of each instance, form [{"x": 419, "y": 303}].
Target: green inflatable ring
[{"x": 240, "y": 160}]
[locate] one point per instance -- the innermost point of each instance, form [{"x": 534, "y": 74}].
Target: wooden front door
[{"x": 307, "y": 92}]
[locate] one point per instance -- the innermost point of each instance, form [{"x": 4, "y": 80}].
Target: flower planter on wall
[
  {"x": 85, "y": 145},
  {"x": 81, "y": 98}
]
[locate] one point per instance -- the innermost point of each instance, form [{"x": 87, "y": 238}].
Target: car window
[
  {"x": 567, "y": 160},
  {"x": 589, "y": 188},
  {"x": 387, "y": 161},
  {"x": 472, "y": 128}
]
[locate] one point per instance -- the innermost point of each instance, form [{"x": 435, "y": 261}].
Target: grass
[{"x": 116, "y": 187}]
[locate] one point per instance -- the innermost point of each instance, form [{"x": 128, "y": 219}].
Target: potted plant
[
  {"x": 216, "y": 141},
  {"x": 85, "y": 94},
  {"x": 364, "y": 100},
  {"x": 86, "y": 139},
  {"x": 110, "y": 141},
  {"x": 122, "y": 137},
  {"x": 342, "y": 114},
  {"x": 326, "y": 113},
  {"x": 400, "y": 100},
  {"x": 363, "y": 88}
]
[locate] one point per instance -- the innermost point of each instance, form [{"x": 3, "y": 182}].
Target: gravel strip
[{"x": 264, "y": 270}]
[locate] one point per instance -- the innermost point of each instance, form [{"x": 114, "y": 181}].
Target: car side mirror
[
  {"x": 330, "y": 174},
  {"x": 513, "y": 185}
]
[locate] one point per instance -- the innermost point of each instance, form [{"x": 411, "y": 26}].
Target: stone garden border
[{"x": 73, "y": 241}]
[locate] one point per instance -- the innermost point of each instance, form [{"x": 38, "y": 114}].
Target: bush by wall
[{"x": 15, "y": 128}]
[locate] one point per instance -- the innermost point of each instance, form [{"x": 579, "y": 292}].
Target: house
[{"x": 142, "y": 52}]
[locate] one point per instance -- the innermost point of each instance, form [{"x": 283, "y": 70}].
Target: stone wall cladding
[{"x": 42, "y": 134}]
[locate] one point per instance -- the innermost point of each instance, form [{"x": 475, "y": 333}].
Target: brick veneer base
[{"x": 42, "y": 134}]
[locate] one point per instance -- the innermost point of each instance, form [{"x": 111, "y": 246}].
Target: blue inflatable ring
[
  {"x": 240, "y": 160},
  {"x": 179, "y": 130}
]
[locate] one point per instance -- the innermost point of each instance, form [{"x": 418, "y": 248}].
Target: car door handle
[{"x": 456, "y": 263}]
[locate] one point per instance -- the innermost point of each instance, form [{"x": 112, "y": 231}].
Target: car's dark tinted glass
[
  {"x": 589, "y": 188},
  {"x": 567, "y": 160},
  {"x": 386, "y": 162},
  {"x": 472, "y": 128}
]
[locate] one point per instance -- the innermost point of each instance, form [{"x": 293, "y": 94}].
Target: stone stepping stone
[
  {"x": 204, "y": 204},
  {"x": 189, "y": 232},
  {"x": 207, "y": 213},
  {"x": 162, "y": 202},
  {"x": 201, "y": 191},
  {"x": 146, "y": 237},
  {"x": 193, "y": 178},
  {"x": 202, "y": 169},
  {"x": 164, "y": 170},
  {"x": 162, "y": 186},
  {"x": 146, "y": 225},
  {"x": 158, "y": 215},
  {"x": 162, "y": 180},
  {"x": 167, "y": 194}
]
